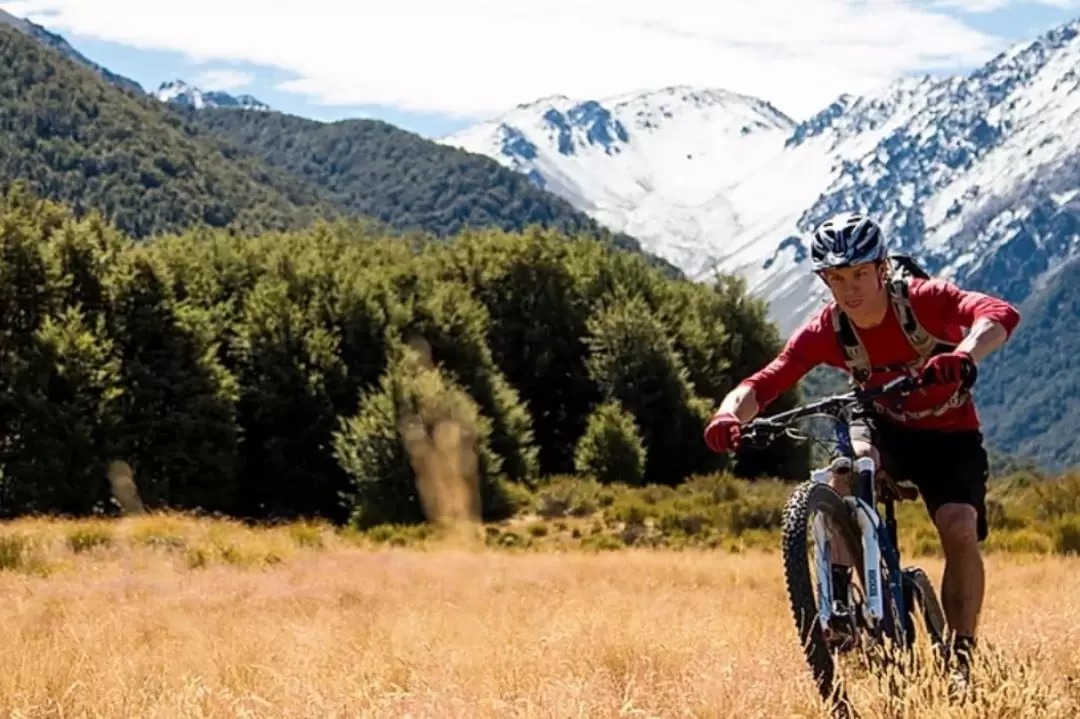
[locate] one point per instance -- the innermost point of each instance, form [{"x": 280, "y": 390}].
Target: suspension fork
[
  {"x": 822, "y": 555},
  {"x": 879, "y": 542},
  {"x": 863, "y": 503}
]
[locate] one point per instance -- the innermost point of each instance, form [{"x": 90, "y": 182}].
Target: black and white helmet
[{"x": 844, "y": 240}]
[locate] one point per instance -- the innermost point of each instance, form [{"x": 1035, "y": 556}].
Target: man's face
[{"x": 859, "y": 290}]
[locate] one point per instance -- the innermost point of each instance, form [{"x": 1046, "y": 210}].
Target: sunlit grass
[{"x": 169, "y": 616}]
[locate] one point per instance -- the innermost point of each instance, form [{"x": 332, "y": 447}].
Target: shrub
[
  {"x": 611, "y": 449},
  {"x": 419, "y": 449}
]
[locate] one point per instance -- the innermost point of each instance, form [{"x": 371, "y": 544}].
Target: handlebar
[{"x": 765, "y": 429}]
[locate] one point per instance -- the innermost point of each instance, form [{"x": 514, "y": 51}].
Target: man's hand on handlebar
[
  {"x": 946, "y": 368},
  {"x": 723, "y": 432},
  {"x": 949, "y": 368}
]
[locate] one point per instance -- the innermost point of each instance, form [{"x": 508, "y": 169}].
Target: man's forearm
[
  {"x": 740, "y": 402},
  {"x": 985, "y": 337}
]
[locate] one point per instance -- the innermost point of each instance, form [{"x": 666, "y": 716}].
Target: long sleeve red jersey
[{"x": 942, "y": 308}]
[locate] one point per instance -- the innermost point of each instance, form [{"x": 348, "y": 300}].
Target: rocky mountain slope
[{"x": 975, "y": 175}]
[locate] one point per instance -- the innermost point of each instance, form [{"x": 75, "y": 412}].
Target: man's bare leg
[{"x": 964, "y": 580}]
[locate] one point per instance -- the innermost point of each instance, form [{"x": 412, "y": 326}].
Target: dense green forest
[
  {"x": 78, "y": 139},
  {"x": 304, "y": 373}
]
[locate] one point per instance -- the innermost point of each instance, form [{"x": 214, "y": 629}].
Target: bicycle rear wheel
[{"x": 919, "y": 596}]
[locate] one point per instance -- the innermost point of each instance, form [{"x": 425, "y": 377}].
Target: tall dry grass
[{"x": 128, "y": 625}]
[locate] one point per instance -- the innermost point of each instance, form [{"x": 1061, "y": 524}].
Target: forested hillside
[
  {"x": 378, "y": 170},
  {"x": 1028, "y": 391},
  {"x": 62, "y": 46},
  {"x": 76, "y": 138},
  {"x": 273, "y": 375},
  {"x": 152, "y": 168}
]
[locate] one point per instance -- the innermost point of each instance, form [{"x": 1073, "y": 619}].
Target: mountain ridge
[
  {"x": 976, "y": 175},
  {"x": 183, "y": 93},
  {"x": 362, "y": 179},
  {"x": 75, "y": 137},
  {"x": 899, "y": 153},
  {"x": 59, "y": 44},
  {"x": 153, "y": 166}
]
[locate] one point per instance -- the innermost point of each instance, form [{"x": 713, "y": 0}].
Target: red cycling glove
[
  {"x": 945, "y": 368},
  {"x": 722, "y": 434}
]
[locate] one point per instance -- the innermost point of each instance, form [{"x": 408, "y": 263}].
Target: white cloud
[
  {"x": 480, "y": 57},
  {"x": 223, "y": 79},
  {"x": 983, "y": 6}
]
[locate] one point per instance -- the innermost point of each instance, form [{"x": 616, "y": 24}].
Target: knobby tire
[
  {"x": 920, "y": 596},
  {"x": 808, "y": 499}
]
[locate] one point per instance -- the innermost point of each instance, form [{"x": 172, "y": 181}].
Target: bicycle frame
[{"x": 878, "y": 539}]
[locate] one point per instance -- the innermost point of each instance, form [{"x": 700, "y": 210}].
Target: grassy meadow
[{"x": 595, "y": 601}]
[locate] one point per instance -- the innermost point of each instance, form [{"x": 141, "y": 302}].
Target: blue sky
[
  {"x": 434, "y": 67},
  {"x": 152, "y": 67}
]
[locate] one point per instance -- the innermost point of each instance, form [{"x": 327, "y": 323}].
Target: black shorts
[{"x": 946, "y": 466}]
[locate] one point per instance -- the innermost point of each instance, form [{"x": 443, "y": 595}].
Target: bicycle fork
[{"x": 869, "y": 527}]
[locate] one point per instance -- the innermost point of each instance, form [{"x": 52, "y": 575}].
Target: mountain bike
[{"x": 883, "y": 611}]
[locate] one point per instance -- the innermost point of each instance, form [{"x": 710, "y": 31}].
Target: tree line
[{"x": 312, "y": 373}]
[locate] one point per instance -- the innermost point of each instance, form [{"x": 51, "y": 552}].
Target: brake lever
[{"x": 759, "y": 432}]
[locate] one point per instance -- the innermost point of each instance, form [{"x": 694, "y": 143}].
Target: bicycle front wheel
[{"x": 806, "y": 502}]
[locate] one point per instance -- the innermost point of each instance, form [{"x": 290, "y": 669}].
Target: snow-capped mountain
[
  {"x": 975, "y": 175},
  {"x": 181, "y": 93},
  {"x": 659, "y": 165}
]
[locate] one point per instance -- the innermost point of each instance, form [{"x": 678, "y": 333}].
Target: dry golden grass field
[{"x": 172, "y": 617}]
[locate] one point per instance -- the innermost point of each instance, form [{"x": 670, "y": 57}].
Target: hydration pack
[{"x": 901, "y": 265}]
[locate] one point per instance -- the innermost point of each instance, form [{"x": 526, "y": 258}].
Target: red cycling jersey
[{"x": 944, "y": 310}]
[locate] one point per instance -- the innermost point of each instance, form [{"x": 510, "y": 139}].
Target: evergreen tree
[{"x": 611, "y": 449}]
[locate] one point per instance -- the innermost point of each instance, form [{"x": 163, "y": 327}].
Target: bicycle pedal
[
  {"x": 841, "y": 627},
  {"x": 839, "y": 638}
]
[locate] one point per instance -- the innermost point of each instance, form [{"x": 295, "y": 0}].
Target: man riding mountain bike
[{"x": 878, "y": 327}]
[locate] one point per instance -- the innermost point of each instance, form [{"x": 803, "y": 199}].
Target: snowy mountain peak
[
  {"x": 977, "y": 175},
  {"x": 181, "y": 93},
  {"x": 639, "y": 162},
  {"x": 572, "y": 126},
  {"x": 669, "y": 101}
]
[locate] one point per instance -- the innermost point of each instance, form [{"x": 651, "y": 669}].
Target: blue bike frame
[{"x": 878, "y": 539}]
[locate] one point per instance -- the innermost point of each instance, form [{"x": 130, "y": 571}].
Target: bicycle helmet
[{"x": 844, "y": 240}]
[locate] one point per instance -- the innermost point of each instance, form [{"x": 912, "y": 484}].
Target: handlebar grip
[{"x": 969, "y": 373}]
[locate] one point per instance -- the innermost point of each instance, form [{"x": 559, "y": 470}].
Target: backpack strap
[
  {"x": 855, "y": 355},
  {"x": 924, "y": 343}
]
